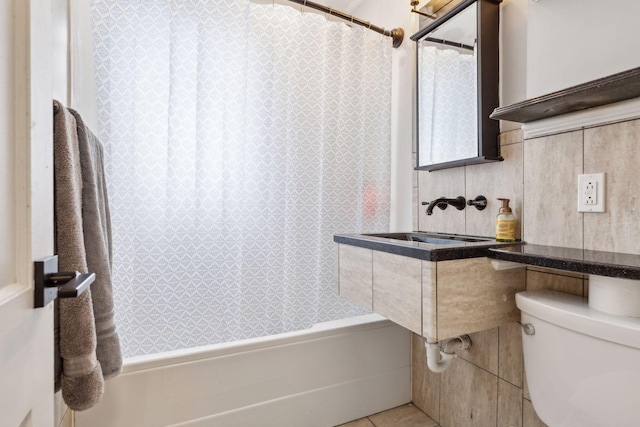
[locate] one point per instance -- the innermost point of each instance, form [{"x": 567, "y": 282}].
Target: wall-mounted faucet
[{"x": 442, "y": 202}]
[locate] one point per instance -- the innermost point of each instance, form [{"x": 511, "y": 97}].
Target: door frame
[{"x": 26, "y": 334}]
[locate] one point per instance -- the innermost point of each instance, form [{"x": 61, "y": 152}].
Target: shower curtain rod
[
  {"x": 448, "y": 43},
  {"x": 396, "y": 34}
]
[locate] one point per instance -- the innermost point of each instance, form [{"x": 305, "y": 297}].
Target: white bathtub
[{"x": 329, "y": 374}]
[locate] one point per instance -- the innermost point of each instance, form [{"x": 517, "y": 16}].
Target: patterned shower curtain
[{"x": 239, "y": 138}]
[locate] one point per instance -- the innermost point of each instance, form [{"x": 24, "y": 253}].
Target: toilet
[{"x": 582, "y": 365}]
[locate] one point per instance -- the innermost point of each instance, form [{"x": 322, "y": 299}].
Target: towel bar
[{"x": 51, "y": 284}]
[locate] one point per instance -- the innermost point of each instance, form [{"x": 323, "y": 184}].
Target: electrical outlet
[{"x": 591, "y": 192}]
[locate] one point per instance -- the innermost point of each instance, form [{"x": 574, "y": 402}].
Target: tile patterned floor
[{"x": 402, "y": 416}]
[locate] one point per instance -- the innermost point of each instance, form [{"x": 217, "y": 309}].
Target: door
[{"x": 26, "y": 212}]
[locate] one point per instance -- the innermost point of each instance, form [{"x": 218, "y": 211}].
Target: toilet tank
[{"x": 582, "y": 365}]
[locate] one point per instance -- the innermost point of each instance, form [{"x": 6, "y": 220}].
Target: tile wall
[
  {"x": 63, "y": 415},
  {"x": 486, "y": 385}
]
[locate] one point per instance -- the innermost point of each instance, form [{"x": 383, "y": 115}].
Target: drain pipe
[{"x": 440, "y": 360}]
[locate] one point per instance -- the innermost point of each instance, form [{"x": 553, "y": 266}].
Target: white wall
[
  {"x": 573, "y": 41},
  {"x": 7, "y": 153},
  {"x": 513, "y": 55}
]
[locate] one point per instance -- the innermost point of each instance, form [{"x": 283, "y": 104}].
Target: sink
[
  {"x": 437, "y": 285},
  {"x": 424, "y": 245},
  {"x": 432, "y": 238}
]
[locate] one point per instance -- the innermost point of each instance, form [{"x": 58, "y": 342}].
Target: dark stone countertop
[
  {"x": 610, "y": 264},
  {"x": 424, "y": 251}
]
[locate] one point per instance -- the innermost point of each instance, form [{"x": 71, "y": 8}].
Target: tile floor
[{"x": 402, "y": 416}]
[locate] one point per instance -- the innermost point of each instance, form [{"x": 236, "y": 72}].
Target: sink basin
[
  {"x": 431, "y": 238},
  {"x": 424, "y": 245}
]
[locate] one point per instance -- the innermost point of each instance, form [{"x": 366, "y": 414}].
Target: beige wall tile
[
  {"x": 405, "y": 416},
  {"x": 510, "y": 354},
  {"x": 544, "y": 170},
  {"x": 554, "y": 271},
  {"x": 469, "y": 396},
  {"x": 509, "y": 405},
  {"x": 529, "y": 416},
  {"x": 483, "y": 351},
  {"x": 397, "y": 289},
  {"x": 492, "y": 180},
  {"x": 473, "y": 296},
  {"x": 425, "y": 384},
  {"x": 555, "y": 282},
  {"x": 355, "y": 274},
  {"x": 551, "y": 168},
  {"x": 67, "y": 420},
  {"x": 614, "y": 150},
  {"x": 585, "y": 288},
  {"x": 429, "y": 301},
  {"x": 525, "y": 386},
  {"x": 511, "y": 137},
  {"x": 59, "y": 407},
  {"x": 449, "y": 183},
  {"x": 415, "y": 211},
  {"x": 415, "y": 172},
  {"x": 362, "y": 422}
]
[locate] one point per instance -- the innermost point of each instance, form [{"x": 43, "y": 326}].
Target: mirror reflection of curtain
[
  {"x": 448, "y": 107},
  {"x": 239, "y": 138}
]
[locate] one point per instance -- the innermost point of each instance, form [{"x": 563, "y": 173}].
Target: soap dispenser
[{"x": 505, "y": 223}]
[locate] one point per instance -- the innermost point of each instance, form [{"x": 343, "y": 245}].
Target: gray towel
[
  {"x": 82, "y": 380},
  {"x": 96, "y": 223}
]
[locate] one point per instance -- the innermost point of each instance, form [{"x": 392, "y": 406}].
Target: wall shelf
[{"x": 603, "y": 91}]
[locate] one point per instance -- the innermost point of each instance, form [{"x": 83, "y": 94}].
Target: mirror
[{"x": 457, "y": 87}]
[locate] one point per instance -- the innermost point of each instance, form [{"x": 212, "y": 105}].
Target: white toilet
[{"x": 582, "y": 365}]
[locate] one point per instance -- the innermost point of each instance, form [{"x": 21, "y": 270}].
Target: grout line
[
  {"x": 509, "y": 382},
  {"x": 498, "y": 349},
  {"x": 479, "y": 367},
  {"x": 498, "y": 395}
]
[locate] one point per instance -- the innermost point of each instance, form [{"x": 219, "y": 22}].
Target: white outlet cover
[{"x": 591, "y": 192}]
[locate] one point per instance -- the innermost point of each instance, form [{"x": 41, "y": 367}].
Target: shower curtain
[{"x": 239, "y": 138}]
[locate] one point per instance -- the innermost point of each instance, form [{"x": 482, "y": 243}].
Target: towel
[
  {"x": 81, "y": 377},
  {"x": 96, "y": 222}
]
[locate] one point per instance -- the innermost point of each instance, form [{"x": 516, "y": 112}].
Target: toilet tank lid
[{"x": 573, "y": 312}]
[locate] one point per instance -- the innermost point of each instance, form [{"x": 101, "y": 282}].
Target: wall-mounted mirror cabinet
[{"x": 457, "y": 83}]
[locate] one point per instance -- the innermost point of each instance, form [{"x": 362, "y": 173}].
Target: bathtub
[{"x": 329, "y": 374}]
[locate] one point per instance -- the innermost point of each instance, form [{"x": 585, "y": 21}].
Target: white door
[{"x": 26, "y": 212}]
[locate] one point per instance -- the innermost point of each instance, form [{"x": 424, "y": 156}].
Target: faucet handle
[{"x": 479, "y": 202}]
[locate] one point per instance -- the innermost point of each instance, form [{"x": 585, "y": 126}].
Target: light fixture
[{"x": 414, "y": 4}]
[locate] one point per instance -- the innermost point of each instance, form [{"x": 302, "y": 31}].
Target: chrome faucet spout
[{"x": 442, "y": 202}]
